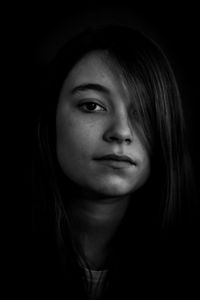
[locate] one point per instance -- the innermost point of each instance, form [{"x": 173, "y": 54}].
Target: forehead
[{"x": 98, "y": 67}]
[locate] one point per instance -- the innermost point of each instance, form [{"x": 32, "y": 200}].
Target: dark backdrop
[{"x": 175, "y": 27}]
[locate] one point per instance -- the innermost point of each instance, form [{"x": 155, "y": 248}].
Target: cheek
[
  {"x": 76, "y": 139},
  {"x": 69, "y": 140},
  {"x": 145, "y": 170},
  {"x": 145, "y": 167},
  {"x": 144, "y": 163}
]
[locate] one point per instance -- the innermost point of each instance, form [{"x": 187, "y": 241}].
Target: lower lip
[{"x": 115, "y": 164}]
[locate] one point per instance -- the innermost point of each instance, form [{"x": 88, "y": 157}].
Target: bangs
[
  {"x": 142, "y": 112},
  {"x": 141, "y": 108}
]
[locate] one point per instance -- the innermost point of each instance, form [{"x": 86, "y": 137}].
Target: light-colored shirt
[{"x": 95, "y": 281}]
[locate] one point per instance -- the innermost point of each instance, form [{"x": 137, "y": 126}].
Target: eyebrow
[{"x": 90, "y": 86}]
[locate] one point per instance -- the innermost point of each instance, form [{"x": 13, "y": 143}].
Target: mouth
[{"x": 116, "y": 161}]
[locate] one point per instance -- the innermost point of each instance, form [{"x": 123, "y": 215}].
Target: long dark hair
[{"x": 163, "y": 201}]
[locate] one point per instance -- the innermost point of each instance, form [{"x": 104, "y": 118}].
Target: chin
[{"x": 114, "y": 189}]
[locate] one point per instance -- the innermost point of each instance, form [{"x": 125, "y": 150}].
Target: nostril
[
  {"x": 118, "y": 132},
  {"x": 113, "y": 138},
  {"x": 119, "y": 139},
  {"x": 128, "y": 141}
]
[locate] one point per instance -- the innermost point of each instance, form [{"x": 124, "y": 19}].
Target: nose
[{"x": 119, "y": 130}]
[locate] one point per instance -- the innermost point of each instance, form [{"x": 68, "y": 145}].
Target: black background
[{"x": 174, "y": 26}]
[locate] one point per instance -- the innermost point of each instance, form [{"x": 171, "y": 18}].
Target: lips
[{"x": 116, "y": 158}]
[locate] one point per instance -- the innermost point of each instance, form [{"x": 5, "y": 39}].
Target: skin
[{"x": 92, "y": 123}]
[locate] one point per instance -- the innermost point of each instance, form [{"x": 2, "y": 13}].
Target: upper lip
[{"x": 116, "y": 158}]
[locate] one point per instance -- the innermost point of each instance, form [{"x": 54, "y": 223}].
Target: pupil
[{"x": 91, "y": 106}]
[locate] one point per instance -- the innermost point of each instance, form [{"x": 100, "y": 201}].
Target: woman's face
[{"x": 97, "y": 145}]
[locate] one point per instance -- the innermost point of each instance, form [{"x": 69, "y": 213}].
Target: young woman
[{"x": 112, "y": 171}]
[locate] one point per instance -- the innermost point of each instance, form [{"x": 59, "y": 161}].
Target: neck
[{"x": 95, "y": 222}]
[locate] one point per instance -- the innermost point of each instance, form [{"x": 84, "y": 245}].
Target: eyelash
[{"x": 83, "y": 107}]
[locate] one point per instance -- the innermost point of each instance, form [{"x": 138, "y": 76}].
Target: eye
[{"x": 92, "y": 107}]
